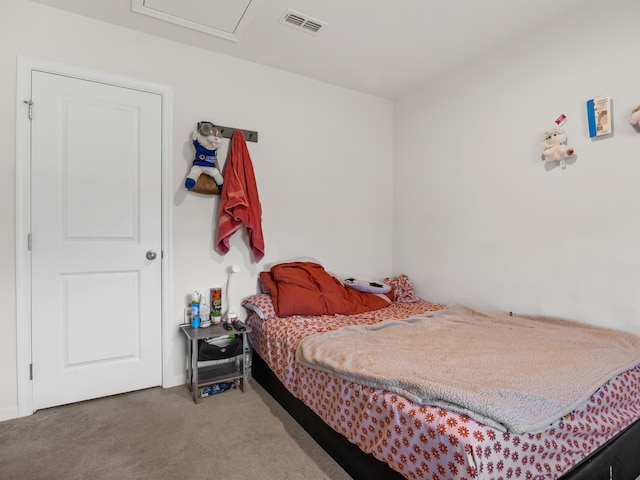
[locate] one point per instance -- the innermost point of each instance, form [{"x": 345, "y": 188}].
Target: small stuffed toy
[
  {"x": 635, "y": 117},
  {"x": 555, "y": 146},
  {"x": 206, "y": 140}
]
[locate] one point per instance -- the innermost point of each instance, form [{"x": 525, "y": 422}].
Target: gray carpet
[{"x": 162, "y": 434}]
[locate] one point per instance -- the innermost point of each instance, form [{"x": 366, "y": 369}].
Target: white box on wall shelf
[{"x": 599, "y": 116}]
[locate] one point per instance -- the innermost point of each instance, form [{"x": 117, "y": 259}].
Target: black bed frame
[{"x": 618, "y": 459}]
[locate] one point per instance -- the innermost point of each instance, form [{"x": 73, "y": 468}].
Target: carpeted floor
[{"x": 162, "y": 434}]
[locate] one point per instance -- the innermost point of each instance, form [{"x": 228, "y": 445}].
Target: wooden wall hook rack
[{"x": 227, "y": 132}]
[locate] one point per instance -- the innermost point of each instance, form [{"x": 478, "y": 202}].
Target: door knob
[{"x": 151, "y": 255}]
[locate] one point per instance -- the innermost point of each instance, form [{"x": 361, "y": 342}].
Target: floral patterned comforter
[{"x": 429, "y": 442}]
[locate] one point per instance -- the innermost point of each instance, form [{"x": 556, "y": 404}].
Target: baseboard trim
[
  {"x": 175, "y": 380},
  {"x": 8, "y": 413}
]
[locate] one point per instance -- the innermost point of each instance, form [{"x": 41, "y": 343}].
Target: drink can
[{"x": 216, "y": 299}]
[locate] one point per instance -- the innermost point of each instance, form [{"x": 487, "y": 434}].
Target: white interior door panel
[{"x": 96, "y": 212}]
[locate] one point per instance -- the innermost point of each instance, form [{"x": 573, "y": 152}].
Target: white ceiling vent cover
[{"x": 302, "y": 22}]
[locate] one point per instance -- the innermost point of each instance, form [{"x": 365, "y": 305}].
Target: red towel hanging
[{"x": 239, "y": 200}]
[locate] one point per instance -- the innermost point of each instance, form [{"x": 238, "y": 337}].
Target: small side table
[{"x": 203, "y": 373}]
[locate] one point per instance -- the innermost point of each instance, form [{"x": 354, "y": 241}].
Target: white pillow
[{"x": 367, "y": 286}]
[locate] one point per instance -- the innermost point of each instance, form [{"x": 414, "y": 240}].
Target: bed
[{"x": 379, "y": 433}]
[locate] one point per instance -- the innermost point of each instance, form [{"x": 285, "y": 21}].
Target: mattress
[{"x": 422, "y": 441}]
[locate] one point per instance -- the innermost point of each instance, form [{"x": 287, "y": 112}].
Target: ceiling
[{"x": 381, "y": 47}]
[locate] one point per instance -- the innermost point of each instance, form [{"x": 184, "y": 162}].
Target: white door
[{"x": 96, "y": 225}]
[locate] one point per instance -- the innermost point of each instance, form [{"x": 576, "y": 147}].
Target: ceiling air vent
[{"x": 302, "y": 22}]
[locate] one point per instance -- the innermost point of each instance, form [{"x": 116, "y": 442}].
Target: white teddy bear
[
  {"x": 206, "y": 140},
  {"x": 555, "y": 146}
]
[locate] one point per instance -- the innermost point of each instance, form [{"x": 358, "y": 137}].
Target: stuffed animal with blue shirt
[{"x": 206, "y": 140}]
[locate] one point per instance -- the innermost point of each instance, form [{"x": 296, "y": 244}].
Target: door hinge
[
  {"x": 30, "y": 103},
  {"x": 31, "y": 371},
  {"x": 29, "y": 242}
]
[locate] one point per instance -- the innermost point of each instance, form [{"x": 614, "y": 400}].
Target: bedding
[
  {"x": 565, "y": 363},
  {"x": 403, "y": 289},
  {"x": 427, "y": 441},
  {"x": 305, "y": 288},
  {"x": 368, "y": 286},
  {"x": 261, "y": 304}
]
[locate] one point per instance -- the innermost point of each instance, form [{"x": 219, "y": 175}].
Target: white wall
[
  {"x": 477, "y": 217},
  {"x": 321, "y": 164}
]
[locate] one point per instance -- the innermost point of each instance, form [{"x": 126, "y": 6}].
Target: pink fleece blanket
[{"x": 519, "y": 374}]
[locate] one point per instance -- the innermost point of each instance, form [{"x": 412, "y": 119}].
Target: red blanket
[
  {"x": 239, "y": 201},
  {"x": 305, "y": 288}
]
